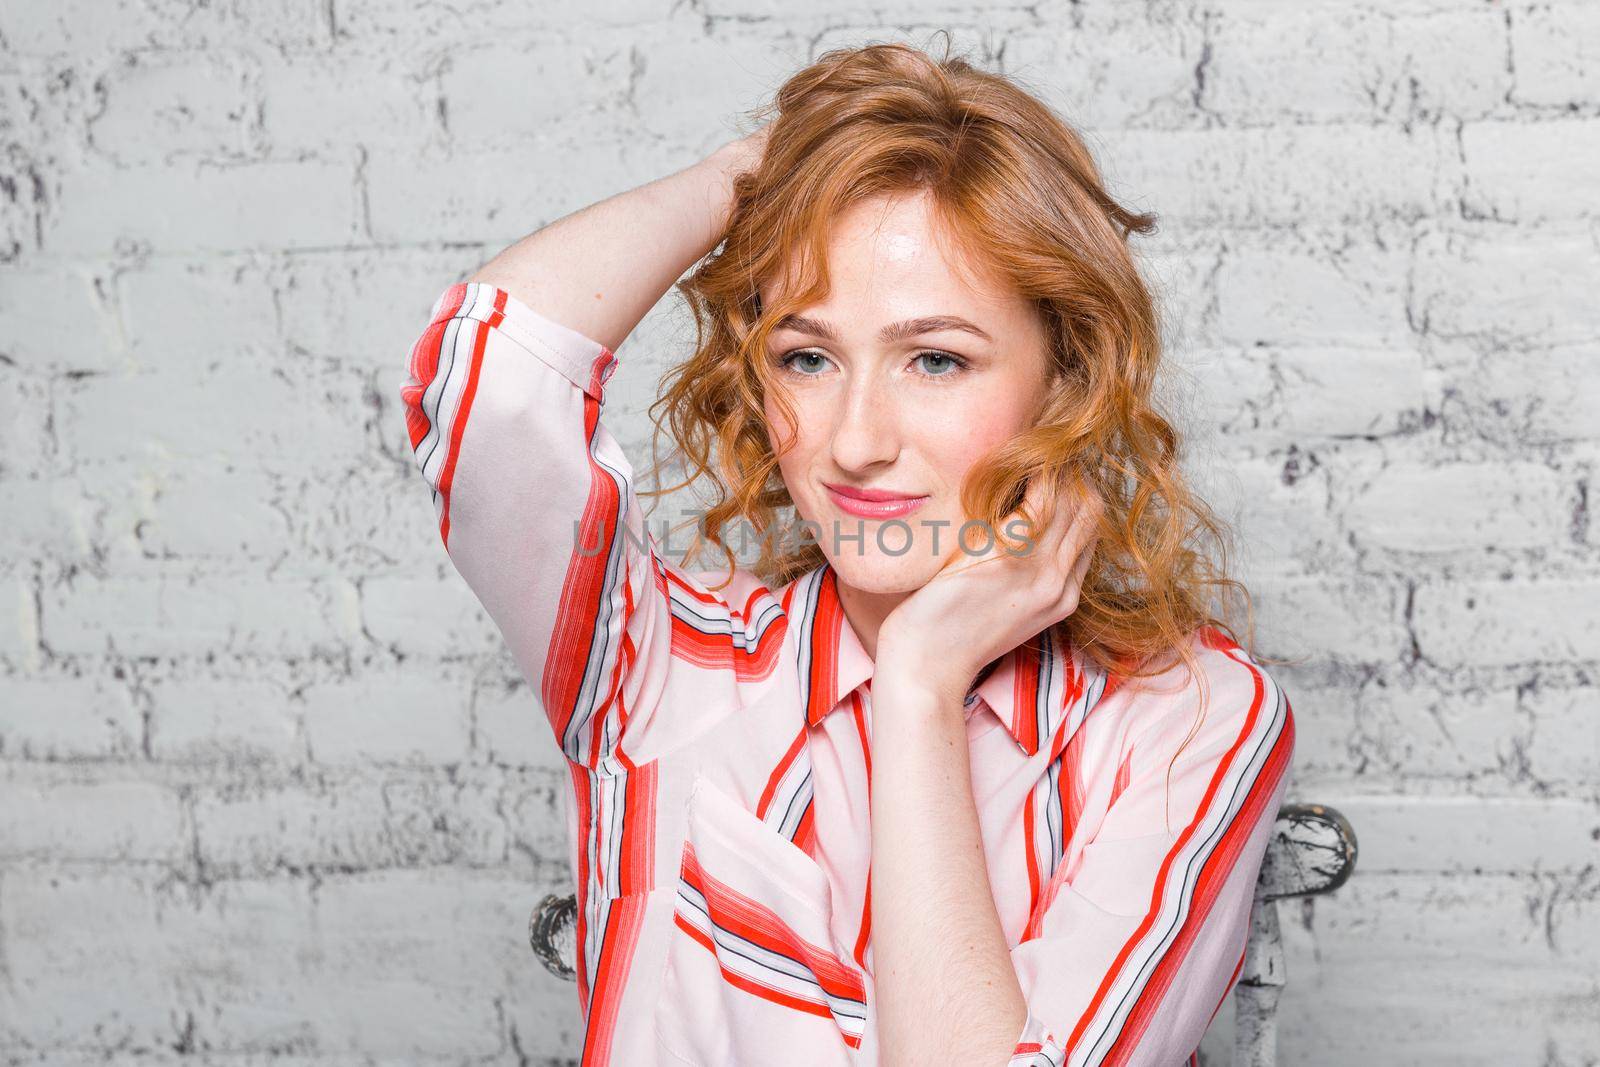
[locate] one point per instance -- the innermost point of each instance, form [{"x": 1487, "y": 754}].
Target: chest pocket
[{"x": 753, "y": 972}]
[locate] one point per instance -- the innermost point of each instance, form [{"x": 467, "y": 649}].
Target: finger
[
  {"x": 1067, "y": 526},
  {"x": 1072, "y": 588},
  {"x": 1055, "y": 509},
  {"x": 1080, "y": 533},
  {"x": 1021, "y": 523},
  {"x": 1085, "y": 557},
  {"x": 1037, "y": 497},
  {"x": 1088, "y": 509}
]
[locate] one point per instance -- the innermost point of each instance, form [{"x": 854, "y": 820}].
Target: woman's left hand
[{"x": 980, "y": 606}]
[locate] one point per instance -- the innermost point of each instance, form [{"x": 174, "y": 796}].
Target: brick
[
  {"x": 1349, "y": 619},
  {"x": 1179, "y": 269},
  {"x": 75, "y": 26},
  {"x": 350, "y": 823},
  {"x": 429, "y": 617},
  {"x": 310, "y": 106},
  {"x": 371, "y": 520},
  {"x": 250, "y": 977},
  {"x": 1223, "y": 394},
  {"x": 48, "y": 517},
  {"x": 1532, "y": 171},
  {"x": 1325, "y": 727},
  {"x": 205, "y": 510},
  {"x": 1310, "y": 287},
  {"x": 55, "y": 718},
  {"x": 391, "y": 719},
  {"x": 28, "y": 438},
  {"x": 1109, "y": 69},
  {"x": 62, "y": 927},
  {"x": 19, "y": 623},
  {"x": 478, "y": 196},
  {"x": 1407, "y": 731},
  {"x": 91, "y": 820},
  {"x": 1537, "y": 399},
  {"x": 1269, "y": 397},
  {"x": 187, "y": 207},
  {"x": 445, "y": 940},
  {"x": 171, "y": 415},
  {"x": 388, "y": 22},
  {"x": 1429, "y": 507},
  {"x": 367, "y": 310},
  {"x": 1560, "y": 741},
  {"x": 1527, "y": 288},
  {"x": 81, "y": 27},
  {"x": 1279, "y": 526},
  {"x": 1274, "y": 64},
  {"x": 1508, "y": 622},
  {"x": 1350, "y": 392},
  {"x": 511, "y": 727},
  {"x": 1554, "y": 51},
  {"x": 1470, "y": 834},
  {"x": 155, "y": 107},
  {"x": 222, "y": 721},
  {"x": 493, "y": 91},
  {"x": 217, "y": 613},
  {"x": 60, "y": 319},
  {"x": 198, "y": 315},
  {"x": 536, "y": 802},
  {"x": 1494, "y": 963},
  {"x": 1275, "y": 175}
]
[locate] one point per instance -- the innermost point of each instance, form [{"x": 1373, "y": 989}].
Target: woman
[{"x": 903, "y": 791}]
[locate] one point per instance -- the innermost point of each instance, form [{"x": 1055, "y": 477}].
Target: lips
[{"x": 873, "y": 503}]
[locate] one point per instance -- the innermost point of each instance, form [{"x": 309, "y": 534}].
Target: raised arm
[
  {"x": 534, "y": 497},
  {"x": 601, "y": 269}
]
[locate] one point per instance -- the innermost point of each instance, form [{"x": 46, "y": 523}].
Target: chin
[
  {"x": 865, "y": 566},
  {"x": 873, "y": 571}
]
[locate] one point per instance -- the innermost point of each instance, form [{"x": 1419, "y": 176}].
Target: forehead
[{"x": 895, "y": 248}]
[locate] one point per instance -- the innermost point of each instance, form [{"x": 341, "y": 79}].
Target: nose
[{"x": 866, "y": 430}]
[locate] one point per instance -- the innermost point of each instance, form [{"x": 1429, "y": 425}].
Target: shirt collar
[{"x": 1041, "y": 690}]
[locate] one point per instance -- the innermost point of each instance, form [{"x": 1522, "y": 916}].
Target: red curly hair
[{"x": 1017, "y": 188}]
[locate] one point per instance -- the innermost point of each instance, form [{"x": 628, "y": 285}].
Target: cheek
[
  {"x": 960, "y": 452},
  {"x": 796, "y": 460},
  {"x": 957, "y": 443},
  {"x": 793, "y": 444}
]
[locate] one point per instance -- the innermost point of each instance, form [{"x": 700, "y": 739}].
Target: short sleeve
[
  {"x": 1141, "y": 939},
  {"x": 536, "y": 509}
]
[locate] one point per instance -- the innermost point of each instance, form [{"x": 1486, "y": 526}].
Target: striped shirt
[{"x": 719, "y": 746}]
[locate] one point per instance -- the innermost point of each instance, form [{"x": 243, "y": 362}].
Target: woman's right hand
[
  {"x": 601, "y": 268},
  {"x": 744, "y": 153},
  {"x": 727, "y": 163}
]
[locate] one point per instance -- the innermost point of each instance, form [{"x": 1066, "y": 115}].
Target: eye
[
  {"x": 810, "y": 355},
  {"x": 948, "y": 360},
  {"x": 809, "y": 363}
]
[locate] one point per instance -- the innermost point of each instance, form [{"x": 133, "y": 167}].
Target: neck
[{"x": 866, "y": 613}]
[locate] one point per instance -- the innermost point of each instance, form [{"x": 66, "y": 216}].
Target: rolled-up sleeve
[
  {"x": 1137, "y": 942},
  {"x": 537, "y": 510}
]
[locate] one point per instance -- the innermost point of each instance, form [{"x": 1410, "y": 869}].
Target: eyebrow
[{"x": 895, "y": 331}]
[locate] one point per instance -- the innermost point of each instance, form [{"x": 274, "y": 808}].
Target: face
[{"x": 912, "y": 370}]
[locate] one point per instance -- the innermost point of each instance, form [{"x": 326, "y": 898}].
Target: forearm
[
  {"x": 946, "y": 988},
  {"x": 600, "y": 269}
]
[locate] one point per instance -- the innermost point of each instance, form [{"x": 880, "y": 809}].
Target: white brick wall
[{"x": 269, "y": 787}]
